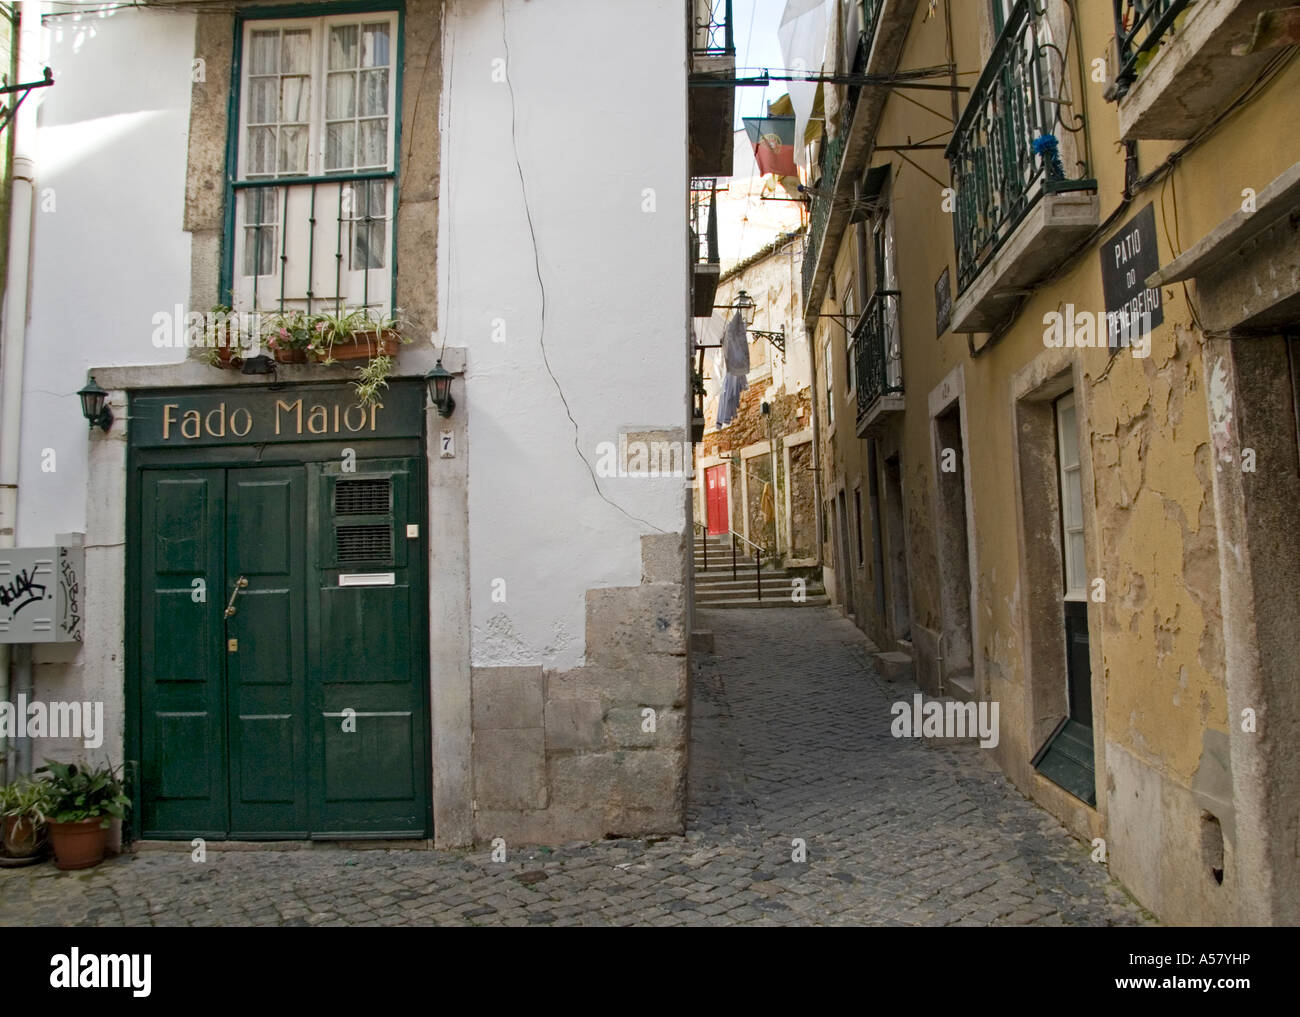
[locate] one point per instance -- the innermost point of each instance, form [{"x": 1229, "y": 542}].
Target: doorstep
[{"x": 403, "y": 844}]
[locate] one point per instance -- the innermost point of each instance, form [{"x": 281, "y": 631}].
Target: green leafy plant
[
  {"x": 288, "y": 330},
  {"x": 372, "y": 378},
  {"x": 80, "y": 792},
  {"x": 28, "y": 800}
]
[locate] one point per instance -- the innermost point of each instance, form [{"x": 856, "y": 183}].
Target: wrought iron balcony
[
  {"x": 712, "y": 28},
  {"x": 1181, "y": 64},
  {"x": 1014, "y": 139},
  {"x": 878, "y": 358},
  {"x": 1140, "y": 28},
  {"x": 311, "y": 243},
  {"x": 831, "y": 155},
  {"x": 828, "y": 159},
  {"x": 704, "y": 245}
]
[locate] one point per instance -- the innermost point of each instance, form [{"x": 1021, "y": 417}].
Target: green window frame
[{"x": 352, "y": 210}]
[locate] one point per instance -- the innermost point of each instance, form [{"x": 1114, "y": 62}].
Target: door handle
[{"x": 240, "y": 583}]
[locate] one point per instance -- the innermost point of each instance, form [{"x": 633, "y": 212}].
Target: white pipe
[{"x": 21, "y": 205}]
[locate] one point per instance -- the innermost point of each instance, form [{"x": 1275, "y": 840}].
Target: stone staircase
[{"x": 715, "y": 588}]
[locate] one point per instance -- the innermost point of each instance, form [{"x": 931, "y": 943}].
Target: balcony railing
[
  {"x": 828, "y": 159},
  {"x": 704, "y": 220},
  {"x": 832, "y": 151},
  {"x": 712, "y": 31},
  {"x": 313, "y": 243},
  {"x": 878, "y": 354},
  {"x": 1140, "y": 27},
  {"x": 1005, "y": 151}
]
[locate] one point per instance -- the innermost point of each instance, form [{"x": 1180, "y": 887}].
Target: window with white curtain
[{"x": 318, "y": 100}]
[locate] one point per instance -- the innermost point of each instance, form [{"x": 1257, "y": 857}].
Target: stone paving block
[{"x": 897, "y": 833}]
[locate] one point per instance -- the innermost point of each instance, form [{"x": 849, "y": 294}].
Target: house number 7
[{"x": 448, "y": 445}]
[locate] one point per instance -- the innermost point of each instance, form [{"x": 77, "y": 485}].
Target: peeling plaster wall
[{"x": 1160, "y": 674}]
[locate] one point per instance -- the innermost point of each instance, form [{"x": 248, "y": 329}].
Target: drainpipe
[{"x": 22, "y": 193}]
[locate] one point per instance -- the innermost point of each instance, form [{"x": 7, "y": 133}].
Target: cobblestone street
[{"x": 790, "y": 740}]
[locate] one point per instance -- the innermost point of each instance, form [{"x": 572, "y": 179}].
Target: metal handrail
[
  {"x": 758, "y": 560},
  {"x": 758, "y": 555}
]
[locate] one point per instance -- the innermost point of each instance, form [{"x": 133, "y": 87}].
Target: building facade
[
  {"x": 754, "y": 475},
  {"x": 310, "y": 614},
  {"x": 1062, "y": 245}
]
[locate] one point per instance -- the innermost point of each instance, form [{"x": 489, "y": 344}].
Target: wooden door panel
[
  {"x": 265, "y": 667},
  {"x": 183, "y": 759}
]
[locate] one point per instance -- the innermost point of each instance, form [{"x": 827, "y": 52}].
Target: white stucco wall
[
  {"x": 597, "y": 123},
  {"x": 108, "y": 251},
  {"x": 598, "y": 127}
]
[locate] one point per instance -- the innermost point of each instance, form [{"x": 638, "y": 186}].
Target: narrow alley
[{"x": 790, "y": 741}]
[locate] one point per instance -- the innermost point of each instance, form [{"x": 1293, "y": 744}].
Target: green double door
[{"x": 281, "y": 652}]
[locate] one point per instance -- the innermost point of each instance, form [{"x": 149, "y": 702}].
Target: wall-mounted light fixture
[
  {"x": 745, "y": 304},
  {"x": 439, "y": 382},
  {"x": 94, "y": 404}
]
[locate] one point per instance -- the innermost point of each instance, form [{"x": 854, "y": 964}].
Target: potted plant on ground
[
  {"x": 85, "y": 803},
  {"x": 25, "y": 804}
]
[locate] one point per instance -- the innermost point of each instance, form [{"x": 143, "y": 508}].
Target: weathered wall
[
  {"x": 1160, "y": 681},
  {"x": 535, "y": 277}
]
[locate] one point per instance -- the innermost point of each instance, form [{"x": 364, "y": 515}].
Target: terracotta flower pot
[
  {"x": 291, "y": 356},
  {"x": 365, "y": 345},
  {"x": 78, "y": 845},
  {"x": 22, "y": 837}
]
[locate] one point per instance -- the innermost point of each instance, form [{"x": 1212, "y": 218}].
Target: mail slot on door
[{"x": 42, "y": 594}]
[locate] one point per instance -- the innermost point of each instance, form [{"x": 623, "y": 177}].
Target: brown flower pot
[
  {"x": 78, "y": 845},
  {"x": 291, "y": 356},
  {"x": 22, "y": 837},
  {"x": 365, "y": 346}
]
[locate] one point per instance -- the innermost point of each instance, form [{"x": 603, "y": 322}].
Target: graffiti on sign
[
  {"x": 71, "y": 585},
  {"x": 20, "y": 592}
]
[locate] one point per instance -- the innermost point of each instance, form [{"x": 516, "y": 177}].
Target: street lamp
[
  {"x": 439, "y": 381},
  {"x": 94, "y": 404},
  {"x": 746, "y": 305}
]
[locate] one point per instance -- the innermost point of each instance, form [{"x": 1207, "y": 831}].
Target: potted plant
[
  {"x": 25, "y": 805},
  {"x": 223, "y": 349},
  {"x": 288, "y": 335},
  {"x": 85, "y": 803},
  {"x": 353, "y": 335}
]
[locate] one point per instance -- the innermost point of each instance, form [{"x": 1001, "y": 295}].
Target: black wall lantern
[
  {"x": 439, "y": 382},
  {"x": 94, "y": 405}
]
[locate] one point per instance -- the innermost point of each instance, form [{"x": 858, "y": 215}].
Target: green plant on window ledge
[{"x": 342, "y": 336}]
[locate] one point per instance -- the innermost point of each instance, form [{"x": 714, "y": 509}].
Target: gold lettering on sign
[
  {"x": 190, "y": 424},
  {"x": 295, "y": 406},
  {"x": 234, "y": 425},
  {"x": 317, "y": 414},
  {"x": 347, "y": 418},
  {"x": 169, "y": 418},
  {"x": 220, "y": 430}
]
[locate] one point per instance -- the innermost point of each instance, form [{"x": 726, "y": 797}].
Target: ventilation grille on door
[
  {"x": 363, "y": 497},
  {"x": 372, "y": 542}
]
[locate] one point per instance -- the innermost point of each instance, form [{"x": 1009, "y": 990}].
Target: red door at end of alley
[{"x": 715, "y": 479}]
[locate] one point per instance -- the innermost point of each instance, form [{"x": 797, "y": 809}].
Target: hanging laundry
[{"x": 735, "y": 359}]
